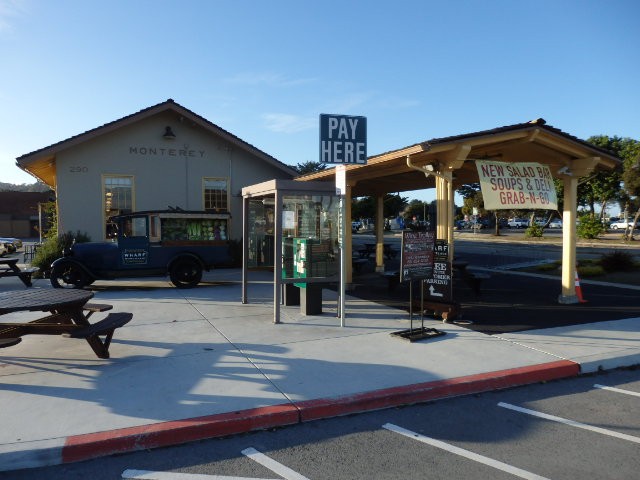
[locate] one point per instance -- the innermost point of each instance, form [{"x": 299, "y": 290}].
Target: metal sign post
[
  {"x": 417, "y": 263},
  {"x": 343, "y": 140},
  {"x": 341, "y": 187}
]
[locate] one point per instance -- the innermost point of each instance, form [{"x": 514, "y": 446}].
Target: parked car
[
  {"x": 355, "y": 226},
  {"x": 460, "y": 225},
  {"x": 12, "y": 244},
  {"x": 517, "y": 223},
  {"x": 557, "y": 223},
  {"x": 480, "y": 223},
  {"x": 181, "y": 244},
  {"x": 620, "y": 224}
]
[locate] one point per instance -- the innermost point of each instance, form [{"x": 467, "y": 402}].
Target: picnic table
[
  {"x": 9, "y": 268},
  {"x": 369, "y": 248},
  {"x": 66, "y": 317}
]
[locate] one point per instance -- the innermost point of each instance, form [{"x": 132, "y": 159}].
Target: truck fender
[
  {"x": 72, "y": 261},
  {"x": 182, "y": 256}
]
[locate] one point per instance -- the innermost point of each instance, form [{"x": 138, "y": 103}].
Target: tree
[
  {"x": 310, "y": 167},
  {"x": 473, "y": 199},
  {"x": 25, "y": 187},
  {"x": 394, "y": 204},
  {"x": 631, "y": 179},
  {"x": 605, "y": 187},
  {"x": 419, "y": 209},
  {"x": 365, "y": 207},
  {"x": 609, "y": 189},
  {"x": 468, "y": 190}
]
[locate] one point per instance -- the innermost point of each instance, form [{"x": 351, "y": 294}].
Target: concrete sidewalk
[{"x": 197, "y": 363}]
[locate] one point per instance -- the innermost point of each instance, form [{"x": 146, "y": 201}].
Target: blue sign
[{"x": 343, "y": 139}]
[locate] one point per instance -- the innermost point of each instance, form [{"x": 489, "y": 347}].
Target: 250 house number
[{"x": 78, "y": 169}]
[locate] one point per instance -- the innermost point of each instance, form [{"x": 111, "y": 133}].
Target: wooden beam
[
  {"x": 583, "y": 166},
  {"x": 455, "y": 158}
]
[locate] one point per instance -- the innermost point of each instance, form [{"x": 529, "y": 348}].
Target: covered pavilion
[{"x": 450, "y": 162}]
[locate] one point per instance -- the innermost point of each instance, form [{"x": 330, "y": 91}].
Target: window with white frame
[
  {"x": 117, "y": 199},
  {"x": 216, "y": 194}
]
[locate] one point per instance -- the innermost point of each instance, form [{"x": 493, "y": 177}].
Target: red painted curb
[
  {"x": 421, "y": 392},
  {"x": 92, "y": 445}
]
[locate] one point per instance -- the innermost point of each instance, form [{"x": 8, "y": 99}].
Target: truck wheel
[
  {"x": 185, "y": 273},
  {"x": 68, "y": 276}
]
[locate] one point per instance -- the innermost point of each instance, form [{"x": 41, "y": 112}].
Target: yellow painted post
[
  {"x": 450, "y": 214},
  {"x": 379, "y": 233},
  {"x": 442, "y": 200},
  {"x": 569, "y": 217}
]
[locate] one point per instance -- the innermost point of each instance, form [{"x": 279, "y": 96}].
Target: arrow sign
[
  {"x": 433, "y": 292},
  {"x": 442, "y": 278}
]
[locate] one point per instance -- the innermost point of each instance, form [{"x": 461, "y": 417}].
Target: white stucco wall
[{"x": 165, "y": 172}]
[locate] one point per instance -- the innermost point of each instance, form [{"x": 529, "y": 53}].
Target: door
[{"x": 133, "y": 243}]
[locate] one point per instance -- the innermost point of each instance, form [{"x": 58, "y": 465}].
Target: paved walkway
[{"x": 197, "y": 363}]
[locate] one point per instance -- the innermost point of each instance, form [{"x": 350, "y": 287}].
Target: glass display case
[{"x": 309, "y": 235}]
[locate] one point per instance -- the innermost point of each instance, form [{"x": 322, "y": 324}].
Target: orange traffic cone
[{"x": 579, "y": 290}]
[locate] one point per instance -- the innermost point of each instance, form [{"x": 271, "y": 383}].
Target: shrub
[
  {"x": 51, "y": 249},
  {"x": 590, "y": 227},
  {"x": 534, "y": 231},
  {"x": 617, "y": 261}
]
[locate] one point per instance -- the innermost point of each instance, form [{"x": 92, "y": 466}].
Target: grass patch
[
  {"x": 590, "y": 270},
  {"x": 548, "y": 267}
]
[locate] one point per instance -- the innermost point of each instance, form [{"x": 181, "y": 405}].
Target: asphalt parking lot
[{"x": 491, "y": 310}]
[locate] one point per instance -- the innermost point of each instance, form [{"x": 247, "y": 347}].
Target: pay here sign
[
  {"x": 516, "y": 185},
  {"x": 343, "y": 139}
]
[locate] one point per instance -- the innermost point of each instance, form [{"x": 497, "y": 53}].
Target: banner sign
[
  {"x": 507, "y": 185},
  {"x": 416, "y": 256}
]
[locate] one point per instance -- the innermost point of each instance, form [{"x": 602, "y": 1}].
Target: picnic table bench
[
  {"x": 66, "y": 316},
  {"x": 9, "y": 268}
]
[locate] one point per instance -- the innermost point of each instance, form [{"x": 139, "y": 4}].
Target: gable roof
[{"x": 41, "y": 163}]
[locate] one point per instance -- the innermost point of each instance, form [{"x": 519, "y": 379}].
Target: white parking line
[
  {"x": 464, "y": 453},
  {"x": 617, "y": 390},
  {"x": 572, "y": 423},
  {"x": 150, "y": 475},
  {"x": 262, "y": 459}
]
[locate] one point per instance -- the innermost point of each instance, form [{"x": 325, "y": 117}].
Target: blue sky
[{"x": 265, "y": 70}]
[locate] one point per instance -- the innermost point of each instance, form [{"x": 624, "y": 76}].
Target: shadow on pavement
[{"x": 511, "y": 303}]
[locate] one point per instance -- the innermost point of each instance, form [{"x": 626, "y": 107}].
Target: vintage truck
[{"x": 179, "y": 243}]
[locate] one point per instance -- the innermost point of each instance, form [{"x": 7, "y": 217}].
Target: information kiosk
[{"x": 298, "y": 223}]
